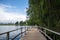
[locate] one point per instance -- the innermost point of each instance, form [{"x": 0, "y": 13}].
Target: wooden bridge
[{"x": 33, "y": 33}]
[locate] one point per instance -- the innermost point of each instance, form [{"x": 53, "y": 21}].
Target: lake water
[{"x": 6, "y": 28}]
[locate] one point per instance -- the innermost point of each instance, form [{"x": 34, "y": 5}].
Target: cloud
[
  {"x": 7, "y": 6},
  {"x": 10, "y": 16}
]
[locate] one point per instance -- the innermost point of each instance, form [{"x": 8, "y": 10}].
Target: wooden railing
[
  {"x": 8, "y": 33},
  {"x": 45, "y": 30},
  {"x": 41, "y": 29}
]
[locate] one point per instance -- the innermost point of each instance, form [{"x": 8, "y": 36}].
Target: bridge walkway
[{"x": 33, "y": 34}]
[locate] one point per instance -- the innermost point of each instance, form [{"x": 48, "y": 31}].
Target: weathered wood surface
[{"x": 33, "y": 34}]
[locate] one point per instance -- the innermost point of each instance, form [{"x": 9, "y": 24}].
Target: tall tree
[{"x": 44, "y": 13}]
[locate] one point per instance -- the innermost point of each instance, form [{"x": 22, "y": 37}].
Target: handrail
[
  {"x": 51, "y": 31},
  {"x": 46, "y": 35},
  {"x": 44, "y": 30},
  {"x": 9, "y": 31},
  {"x": 12, "y": 31}
]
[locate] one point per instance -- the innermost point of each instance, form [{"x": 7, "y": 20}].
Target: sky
[{"x": 13, "y": 10}]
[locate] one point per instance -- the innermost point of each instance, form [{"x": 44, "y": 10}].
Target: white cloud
[
  {"x": 7, "y": 6},
  {"x": 10, "y": 16}
]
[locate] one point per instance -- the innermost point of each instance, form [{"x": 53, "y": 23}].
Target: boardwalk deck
[{"x": 33, "y": 34}]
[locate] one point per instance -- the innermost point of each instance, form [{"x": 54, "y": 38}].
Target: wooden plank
[{"x": 33, "y": 34}]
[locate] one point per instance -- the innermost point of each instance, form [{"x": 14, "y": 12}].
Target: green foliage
[
  {"x": 44, "y": 13},
  {"x": 22, "y": 23},
  {"x": 16, "y": 23}
]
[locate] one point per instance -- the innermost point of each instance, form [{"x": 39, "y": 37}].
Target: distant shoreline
[{"x": 7, "y": 24}]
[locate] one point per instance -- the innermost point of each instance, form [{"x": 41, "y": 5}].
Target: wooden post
[
  {"x": 21, "y": 31},
  {"x": 7, "y": 35},
  {"x": 54, "y": 37},
  {"x": 25, "y": 30},
  {"x": 44, "y": 31}
]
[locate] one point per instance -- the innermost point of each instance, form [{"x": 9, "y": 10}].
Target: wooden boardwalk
[{"x": 33, "y": 34}]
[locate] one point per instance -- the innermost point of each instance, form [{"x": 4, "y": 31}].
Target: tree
[
  {"x": 22, "y": 23},
  {"x": 16, "y": 23},
  {"x": 44, "y": 13}
]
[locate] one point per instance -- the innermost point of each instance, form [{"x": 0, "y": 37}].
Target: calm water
[{"x": 7, "y": 28}]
